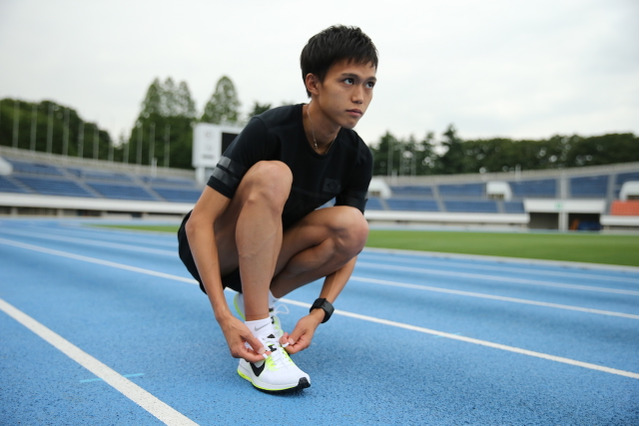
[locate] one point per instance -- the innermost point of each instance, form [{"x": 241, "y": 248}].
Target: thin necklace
[{"x": 313, "y": 134}]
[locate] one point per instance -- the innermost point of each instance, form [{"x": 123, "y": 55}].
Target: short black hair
[{"x": 335, "y": 44}]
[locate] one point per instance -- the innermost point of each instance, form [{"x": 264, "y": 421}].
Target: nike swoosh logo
[
  {"x": 257, "y": 370},
  {"x": 259, "y": 328}
]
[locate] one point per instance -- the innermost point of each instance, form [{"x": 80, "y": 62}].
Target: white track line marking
[
  {"x": 89, "y": 242},
  {"x": 97, "y": 261},
  {"x": 510, "y": 280},
  {"x": 436, "y": 260},
  {"x": 477, "y": 341},
  {"x": 339, "y": 312},
  {"x": 491, "y": 297},
  {"x": 135, "y": 393}
]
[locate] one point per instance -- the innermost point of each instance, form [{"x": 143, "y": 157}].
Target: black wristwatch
[{"x": 325, "y": 306}]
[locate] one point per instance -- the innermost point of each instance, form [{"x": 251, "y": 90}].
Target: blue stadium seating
[
  {"x": 540, "y": 188},
  {"x": 412, "y": 190},
  {"x": 461, "y": 190},
  {"x": 54, "y": 186},
  {"x": 514, "y": 207},
  {"x": 374, "y": 203},
  {"x": 41, "y": 178},
  {"x": 412, "y": 204},
  {"x": 123, "y": 192},
  {"x": 178, "y": 195},
  {"x": 626, "y": 177},
  {"x": 589, "y": 186},
  {"x": 167, "y": 181},
  {"x": 34, "y": 168},
  {"x": 471, "y": 206},
  {"x": 89, "y": 174},
  {"x": 37, "y": 177},
  {"x": 7, "y": 185}
]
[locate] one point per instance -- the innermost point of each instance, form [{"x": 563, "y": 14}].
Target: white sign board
[{"x": 209, "y": 141}]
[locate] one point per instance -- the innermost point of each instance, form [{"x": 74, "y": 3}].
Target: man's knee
[
  {"x": 267, "y": 182},
  {"x": 351, "y": 230}
]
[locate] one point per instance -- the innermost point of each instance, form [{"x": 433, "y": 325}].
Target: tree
[
  {"x": 223, "y": 106},
  {"x": 259, "y": 109},
  {"x": 162, "y": 131},
  {"x": 454, "y": 160},
  {"x": 184, "y": 102},
  {"x": 153, "y": 101},
  {"x": 425, "y": 155}
]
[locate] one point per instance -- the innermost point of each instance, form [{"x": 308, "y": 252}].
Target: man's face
[{"x": 346, "y": 92}]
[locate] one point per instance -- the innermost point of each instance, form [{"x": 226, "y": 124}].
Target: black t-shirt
[{"x": 343, "y": 173}]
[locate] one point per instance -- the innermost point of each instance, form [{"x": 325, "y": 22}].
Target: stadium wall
[{"x": 540, "y": 213}]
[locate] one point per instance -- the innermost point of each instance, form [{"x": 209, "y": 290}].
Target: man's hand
[
  {"x": 242, "y": 343},
  {"x": 302, "y": 334}
]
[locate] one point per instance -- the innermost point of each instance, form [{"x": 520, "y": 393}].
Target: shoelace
[
  {"x": 278, "y": 309},
  {"x": 279, "y": 356}
]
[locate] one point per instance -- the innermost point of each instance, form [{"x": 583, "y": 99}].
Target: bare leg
[
  {"x": 319, "y": 245},
  {"x": 252, "y": 229}
]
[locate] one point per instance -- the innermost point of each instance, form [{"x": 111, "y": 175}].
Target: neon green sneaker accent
[{"x": 277, "y": 373}]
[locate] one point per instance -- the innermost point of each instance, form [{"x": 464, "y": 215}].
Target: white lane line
[
  {"x": 135, "y": 393},
  {"x": 91, "y": 242},
  {"x": 510, "y": 280},
  {"x": 436, "y": 260},
  {"x": 344, "y": 313},
  {"x": 500, "y": 346},
  {"x": 96, "y": 261},
  {"x": 492, "y": 297}
]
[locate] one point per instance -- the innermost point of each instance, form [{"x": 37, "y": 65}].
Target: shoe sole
[{"x": 303, "y": 383}]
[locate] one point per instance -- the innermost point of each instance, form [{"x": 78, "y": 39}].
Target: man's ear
[{"x": 312, "y": 83}]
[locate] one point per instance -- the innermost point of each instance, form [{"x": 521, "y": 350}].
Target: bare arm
[
  {"x": 302, "y": 335},
  {"x": 201, "y": 235}
]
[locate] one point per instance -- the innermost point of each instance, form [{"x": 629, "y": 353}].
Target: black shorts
[{"x": 231, "y": 280}]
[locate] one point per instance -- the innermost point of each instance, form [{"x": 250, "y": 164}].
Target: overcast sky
[{"x": 512, "y": 68}]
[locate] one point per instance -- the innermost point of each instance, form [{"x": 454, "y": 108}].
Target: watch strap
[{"x": 325, "y": 305}]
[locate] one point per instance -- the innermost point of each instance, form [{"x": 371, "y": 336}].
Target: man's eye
[
  {"x": 349, "y": 80},
  {"x": 370, "y": 84}
]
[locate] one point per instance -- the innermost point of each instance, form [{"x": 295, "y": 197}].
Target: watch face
[{"x": 323, "y": 304}]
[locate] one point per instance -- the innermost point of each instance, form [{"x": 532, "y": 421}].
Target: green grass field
[
  {"x": 579, "y": 247},
  {"x": 573, "y": 247}
]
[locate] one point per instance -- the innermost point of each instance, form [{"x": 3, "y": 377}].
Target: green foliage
[
  {"x": 398, "y": 157},
  {"x": 167, "y": 100},
  {"x": 499, "y": 154},
  {"x": 49, "y": 127},
  {"x": 223, "y": 106},
  {"x": 259, "y": 109},
  {"x": 162, "y": 134}
]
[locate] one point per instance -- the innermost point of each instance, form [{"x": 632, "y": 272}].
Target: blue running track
[{"x": 106, "y": 327}]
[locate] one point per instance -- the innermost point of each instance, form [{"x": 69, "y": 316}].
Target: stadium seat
[
  {"x": 589, "y": 186},
  {"x": 471, "y": 206},
  {"x": 6, "y": 185},
  {"x": 461, "y": 190},
  {"x": 540, "y": 188},
  {"x": 54, "y": 186},
  {"x": 123, "y": 192},
  {"x": 412, "y": 204},
  {"x": 374, "y": 203},
  {"x": 624, "y": 208}
]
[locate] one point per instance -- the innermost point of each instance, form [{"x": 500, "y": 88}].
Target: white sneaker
[
  {"x": 273, "y": 313},
  {"x": 277, "y": 373}
]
